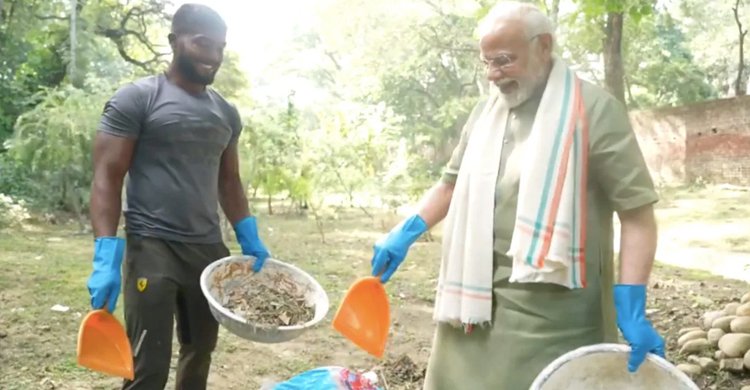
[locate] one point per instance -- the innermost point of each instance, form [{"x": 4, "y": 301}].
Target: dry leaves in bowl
[
  {"x": 274, "y": 305},
  {"x": 263, "y": 300}
]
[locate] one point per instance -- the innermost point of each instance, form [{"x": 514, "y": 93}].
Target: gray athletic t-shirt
[{"x": 172, "y": 186}]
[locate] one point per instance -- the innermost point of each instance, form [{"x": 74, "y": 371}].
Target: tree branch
[
  {"x": 119, "y": 35},
  {"x": 419, "y": 88},
  {"x": 435, "y": 7},
  {"x": 332, "y": 57},
  {"x": 51, "y": 17}
]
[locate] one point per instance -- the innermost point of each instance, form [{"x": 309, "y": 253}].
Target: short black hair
[{"x": 196, "y": 18}]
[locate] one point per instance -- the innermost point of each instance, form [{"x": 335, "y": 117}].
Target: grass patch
[{"x": 50, "y": 265}]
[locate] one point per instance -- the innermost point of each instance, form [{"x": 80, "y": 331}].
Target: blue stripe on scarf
[{"x": 551, "y": 170}]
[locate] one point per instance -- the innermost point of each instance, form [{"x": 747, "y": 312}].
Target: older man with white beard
[{"x": 528, "y": 199}]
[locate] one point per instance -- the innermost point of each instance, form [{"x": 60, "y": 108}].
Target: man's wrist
[
  {"x": 246, "y": 228},
  {"x": 245, "y": 219},
  {"x": 108, "y": 238},
  {"x": 414, "y": 226},
  {"x": 109, "y": 249}
]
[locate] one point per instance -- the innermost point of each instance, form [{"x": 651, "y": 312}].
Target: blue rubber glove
[
  {"x": 391, "y": 250},
  {"x": 630, "y": 303},
  {"x": 105, "y": 281},
  {"x": 247, "y": 235}
]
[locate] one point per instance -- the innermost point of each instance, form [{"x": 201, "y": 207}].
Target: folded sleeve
[{"x": 616, "y": 161}]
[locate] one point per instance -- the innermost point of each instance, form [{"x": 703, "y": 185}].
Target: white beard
[
  {"x": 520, "y": 95},
  {"x": 526, "y": 85}
]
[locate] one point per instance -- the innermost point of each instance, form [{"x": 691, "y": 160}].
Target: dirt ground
[
  {"x": 677, "y": 300},
  {"x": 46, "y": 265}
]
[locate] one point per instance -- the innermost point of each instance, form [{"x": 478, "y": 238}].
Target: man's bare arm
[
  {"x": 638, "y": 238},
  {"x": 434, "y": 205},
  {"x": 231, "y": 192},
  {"x": 112, "y": 158}
]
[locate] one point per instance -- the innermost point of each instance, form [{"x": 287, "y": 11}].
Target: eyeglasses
[{"x": 504, "y": 61}]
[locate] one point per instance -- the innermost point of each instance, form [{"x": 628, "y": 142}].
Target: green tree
[
  {"x": 610, "y": 15},
  {"x": 421, "y": 62},
  {"x": 54, "y": 141},
  {"x": 113, "y": 39},
  {"x": 231, "y": 81},
  {"x": 661, "y": 70}
]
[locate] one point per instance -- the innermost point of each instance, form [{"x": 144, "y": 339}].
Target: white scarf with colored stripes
[{"x": 549, "y": 235}]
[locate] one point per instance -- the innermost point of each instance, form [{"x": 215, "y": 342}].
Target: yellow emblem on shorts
[{"x": 141, "y": 284}]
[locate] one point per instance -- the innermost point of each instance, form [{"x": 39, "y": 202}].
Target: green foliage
[
  {"x": 269, "y": 150},
  {"x": 302, "y": 154},
  {"x": 353, "y": 142},
  {"x": 35, "y": 50},
  {"x": 635, "y": 9},
  {"x": 393, "y": 80},
  {"x": 136, "y": 29},
  {"x": 429, "y": 79},
  {"x": 54, "y": 141},
  {"x": 231, "y": 81},
  {"x": 661, "y": 68},
  {"x": 15, "y": 178},
  {"x": 712, "y": 37},
  {"x": 663, "y": 71},
  {"x": 31, "y": 58}
]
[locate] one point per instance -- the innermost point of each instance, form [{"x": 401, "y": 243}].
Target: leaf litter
[
  {"x": 401, "y": 373},
  {"x": 268, "y": 299}
]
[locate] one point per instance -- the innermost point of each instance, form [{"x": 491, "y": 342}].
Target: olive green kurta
[{"x": 535, "y": 323}]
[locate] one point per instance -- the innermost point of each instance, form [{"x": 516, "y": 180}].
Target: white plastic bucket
[{"x": 605, "y": 366}]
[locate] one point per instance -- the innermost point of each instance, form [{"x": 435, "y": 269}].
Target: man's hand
[
  {"x": 391, "y": 250},
  {"x": 630, "y": 303},
  {"x": 247, "y": 235},
  {"x": 104, "y": 282}
]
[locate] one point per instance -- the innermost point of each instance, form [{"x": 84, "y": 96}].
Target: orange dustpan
[
  {"x": 103, "y": 345},
  {"x": 364, "y": 315}
]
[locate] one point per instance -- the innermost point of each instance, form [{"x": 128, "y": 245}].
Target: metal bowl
[
  {"x": 604, "y": 366},
  {"x": 212, "y": 284}
]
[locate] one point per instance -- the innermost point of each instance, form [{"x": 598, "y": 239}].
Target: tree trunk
[
  {"x": 270, "y": 208},
  {"x": 318, "y": 223},
  {"x": 2, "y": 12},
  {"x": 629, "y": 92},
  {"x": 614, "y": 72},
  {"x": 73, "y": 42},
  {"x": 739, "y": 86}
]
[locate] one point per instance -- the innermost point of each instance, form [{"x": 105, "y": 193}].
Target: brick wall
[
  {"x": 708, "y": 141},
  {"x": 661, "y": 135}
]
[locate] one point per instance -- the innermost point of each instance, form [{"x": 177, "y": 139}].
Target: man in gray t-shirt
[
  {"x": 176, "y": 140},
  {"x": 174, "y": 172}
]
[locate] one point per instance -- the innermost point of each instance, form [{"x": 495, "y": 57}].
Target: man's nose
[
  {"x": 495, "y": 74},
  {"x": 216, "y": 57}
]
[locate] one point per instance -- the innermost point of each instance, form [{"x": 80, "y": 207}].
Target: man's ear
[
  {"x": 545, "y": 41},
  {"x": 172, "y": 37}
]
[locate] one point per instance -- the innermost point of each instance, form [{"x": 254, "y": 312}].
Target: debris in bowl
[{"x": 267, "y": 299}]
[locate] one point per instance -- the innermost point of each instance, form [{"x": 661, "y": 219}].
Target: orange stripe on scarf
[{"x": 555, "y": 204}]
